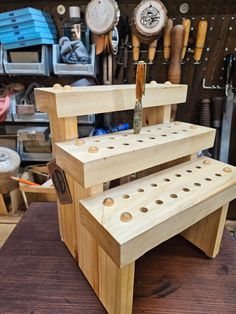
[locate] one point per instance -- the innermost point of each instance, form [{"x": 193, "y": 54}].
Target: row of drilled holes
[{"x": 160, "y": 202}]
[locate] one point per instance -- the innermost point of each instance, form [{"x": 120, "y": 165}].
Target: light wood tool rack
[{"x": 175, "y": 192}]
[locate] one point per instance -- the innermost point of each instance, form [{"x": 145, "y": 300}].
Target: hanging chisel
[
  {"x": 136, "y": 48},
  {"x": 201, "y": 37},
  {"x": 140, "y": 89},
  {"x": 151, "y": 56},
  {"x": 174, "y": 72},
  {"x": 217, "y": 109},
  {"x": 186, "y": 24},
  {"x": 167, "y": 39},
  {"x": 228, "y": 109}
]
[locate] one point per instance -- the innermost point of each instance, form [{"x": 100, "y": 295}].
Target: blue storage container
[
  {"x": 20, "y": 27},
  {"x": 25, "y": 18},
  {"x": 20, "y": 12},
  {"x": 26, "y": 34},
  {"x": 1, "y": 60}
]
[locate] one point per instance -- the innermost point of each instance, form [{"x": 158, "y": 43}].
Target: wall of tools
[{"x": 210, "y": 32}]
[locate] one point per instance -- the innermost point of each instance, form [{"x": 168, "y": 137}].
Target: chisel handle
[
  {"x": 167, "y": 39},
  {"x": 201, "y": 37},
  {"x": 177, "y": 38},
  {"x": 136, "y": 48},
  {"x": 186, "y": 24},
  {"x": 140, "y": 80},
  {"x": 152, "y": 51}
]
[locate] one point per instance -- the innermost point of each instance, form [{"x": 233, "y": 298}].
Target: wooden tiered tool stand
[{"x": 110, "y": 230}]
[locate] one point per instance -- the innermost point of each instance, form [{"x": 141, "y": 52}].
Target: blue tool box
[
  {"x": 22, "y": 12},
  {"x": 29, "y": 25},
  {"x": 22, "y": 34},
  {"x": 25, "y": 18}
]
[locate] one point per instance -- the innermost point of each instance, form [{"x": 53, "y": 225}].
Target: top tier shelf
[
  {"x": 70, "y": 101},
  {"x": 95, "y": 160}
]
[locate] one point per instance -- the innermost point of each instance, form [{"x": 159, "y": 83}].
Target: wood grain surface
[{"x": 38, "y": 274}]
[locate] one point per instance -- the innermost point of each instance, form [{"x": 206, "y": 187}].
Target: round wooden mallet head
[
  {"x": 149, "y": 18},
  {"x": 102, "y": 16}
]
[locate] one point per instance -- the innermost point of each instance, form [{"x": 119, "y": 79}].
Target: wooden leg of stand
[
  {"x": 207, "y": 233},
  {"x": 3, "y": 209}
]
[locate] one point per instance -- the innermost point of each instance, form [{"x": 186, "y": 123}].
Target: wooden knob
[
  {"x": 186, "y": 24},
  {"x": 126, "y": 217},
  {"x": 201, "y": 37},
  {"x": 177, "y": 38},
  {"x": 167, "y": 39},
  {"x": 136, "y": 47},
  {"x": 108, "y": 201},
  {"x": 227, "y": 169},
  {"x": 93, "y": 149},
  {"x": 207, "y": 162}
]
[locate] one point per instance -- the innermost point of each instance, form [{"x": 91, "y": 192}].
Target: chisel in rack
[
  {"x": 186, "y": 24},
  {"x": 200, "y": 42},
  {"x": 167, "y": 39}
]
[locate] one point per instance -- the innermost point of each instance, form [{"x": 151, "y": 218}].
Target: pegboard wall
[{"x": 220, "y": 41}]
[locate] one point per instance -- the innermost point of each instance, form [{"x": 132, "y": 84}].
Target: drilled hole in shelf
[
  {"x": 163, "y": 135},
  {"x": 208, "y": 179},
  {"x": 173, "y": 196},
  {"x": 125, "y": 134},
  {"x": 167, "y": 180},
  {"x": 112, "y": 138},
  {"x": 125, "y": 196},
  {"x": 189, "y": 171},
  {"x": 110, "y": 147},
  {"x": 178, "y": 175},
  {"x": 185, "y": 130},
  {"x": 143, "y": 209},
  {"x": 197, "y": 184},
  {"x": 148, "y": 130},
  {"x": 97, "y": 141},
  {"x": 159, "y": 202},
  {"x": 140, "y": 141},
  {"x": 152, "y": 138},
  {"x": 154, "y": 185},
  {"x": 217, "y": 174},
  {"x": 159, "y": 128},
  {"x": 126, "y": 217},
  {"x": 168, "y": 126},
  {"x": 140, "y": 190},
  {"x": 126, "y": 144},
  {"x": 174, "y": 132},
  {"x": 186, "y": 190},
  {"x": 198, "y": 167}
]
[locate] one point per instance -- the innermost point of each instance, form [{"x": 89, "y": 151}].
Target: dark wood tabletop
[{"x": 38, "y": 275}]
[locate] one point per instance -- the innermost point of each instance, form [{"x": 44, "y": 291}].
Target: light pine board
[
  {"x": 78, "y": 101},
  {"x": 123, "y": 153},
  {"x": 185, "y": 202}
]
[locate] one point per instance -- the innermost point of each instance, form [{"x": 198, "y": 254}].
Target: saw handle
[
  {"x": 186, "y": 24},
  {"x": 167, "y": 39},
  {"x": 201, "y": 37},
  {"x": 136, "y": 48},
  {"x": 140, "y": 80},
  {"x": 177, "y": 38}
]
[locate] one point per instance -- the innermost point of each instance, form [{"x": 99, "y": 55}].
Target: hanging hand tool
[
  {"x": 140, "y": 89},
  {"x": 167, "y": 39},
  {"x": 201, "y": 37},
  {"x": 216, "y": 109},
  {"x": 186, "y": 24},
  {"x": 136, "y": 48},
  {"x": 151, "y": 56},
  {"x": 174, "y": 73},
  {"x": 228, "y": 109}
]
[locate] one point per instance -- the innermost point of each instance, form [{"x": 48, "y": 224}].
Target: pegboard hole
[
  {"x": 140, "y": 190},
  {"x": 143, "y": 209},
  {"x": 186, "y": 190},
  {"x": 159, "y": 202},
  {"x": 173, "y": 195},
  {"x": 125, "y": 196}
]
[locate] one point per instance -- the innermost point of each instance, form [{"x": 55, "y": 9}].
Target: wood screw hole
[
  {"x": 126, "y": 196},
  {"x": 126, "y": 217},
  {"x": 140, "y": 190},
  {"x": 173, "y": 196},
  {"x": 143, "y": 209},
  {"x": 159, "y": 202}
]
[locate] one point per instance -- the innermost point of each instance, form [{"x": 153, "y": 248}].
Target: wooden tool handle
[
  {"x": 177, "y": 38},
  {"x": 186, "y": 24},
  {"x": 152, "y": 51},
  {"x": 167, "y": 39},
  {"x": 140, "y": 80},
  {"x": 201, "y": 37},
  {"x": 136, "y": 47}
]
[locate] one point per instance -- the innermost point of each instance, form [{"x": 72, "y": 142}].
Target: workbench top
[{"x": 38, "y": 274}]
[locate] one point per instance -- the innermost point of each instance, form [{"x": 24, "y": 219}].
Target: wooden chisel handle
[
  {"x": 177, "y": 38},
  {"x": 167, "y": 39},
  {"x": 136, "y": 48},
  {"x": 140, "y": 80},
  {"x": 186, "y": 24},
  {"x": 201, "y": 37},
  {"x": 152, "y": 51}
]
